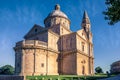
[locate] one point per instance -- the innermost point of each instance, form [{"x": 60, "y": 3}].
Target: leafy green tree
[
  {"x": 6, "y": 70},
  {"x": 112, "y": 13},
  {"x": 98, "y": 69}
]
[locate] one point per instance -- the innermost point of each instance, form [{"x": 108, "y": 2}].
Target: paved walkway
[{"x": 112, "y": 78}]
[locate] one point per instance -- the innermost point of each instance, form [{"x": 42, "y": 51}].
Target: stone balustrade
[{"x": 31, "y": 43}]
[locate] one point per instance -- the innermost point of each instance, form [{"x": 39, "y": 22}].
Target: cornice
[
  {"x": 81, "y": 52},
  {"x": 75, "y": 52},
  {"x": 56, "y": 16},
  {"x": 36, "y": 47},
  {"x": 60, "y": 25}
]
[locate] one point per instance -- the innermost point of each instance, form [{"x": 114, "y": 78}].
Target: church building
[{"x": 55, "y": 49}]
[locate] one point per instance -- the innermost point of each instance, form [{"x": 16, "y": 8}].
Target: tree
[
  {"x": 98, "y": 69},
  {"x": 6, "y": 70},
  {"x": 112, "y": 12}
]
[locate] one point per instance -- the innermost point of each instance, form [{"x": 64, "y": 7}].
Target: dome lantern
[{"x": 57, "y": 7}]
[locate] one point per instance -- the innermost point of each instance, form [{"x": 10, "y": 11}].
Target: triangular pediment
[
  {"x": 34, "y": 30},
  {"x": 82, "y": 34}
]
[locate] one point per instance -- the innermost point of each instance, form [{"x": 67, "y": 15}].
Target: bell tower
[
  {"x": 86, "y": 23},
  {"x": 87, "y": 28}
]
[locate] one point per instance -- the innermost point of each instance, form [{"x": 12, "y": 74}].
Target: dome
[
  {"x": 57, "y": 12},
  {"x": 56, "y": 17}
]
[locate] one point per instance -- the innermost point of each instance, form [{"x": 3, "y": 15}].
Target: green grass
[{"x": 65, "y": 77}]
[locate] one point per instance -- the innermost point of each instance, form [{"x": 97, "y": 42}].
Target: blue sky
[{"x": 17, "y": 17}]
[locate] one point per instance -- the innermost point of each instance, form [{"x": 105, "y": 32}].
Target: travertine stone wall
[
  {"x": 29, "y": 61},
  {"x": 82, "y": 60},
  {"x": 57, "y": 20},
  {"x": 53, "y": 41},
  {"x": 37, "y": 62},
  {"x": 68, "y": 42},
  {"x": 81, "y": 33},
  {"x": 64, "y": 30},
  {"x": 92, "y": 66},
  {"x": 60, "y": 29},
  {"x": 52, "y": 63},
  {"x": 81, "y": 42},
  {"x": 69, "y": 64},
  {"x": 40, "y": 58},
  {"x": 56, "y": 29},
  {"x": 41, "y": 63},
  {"x": 91, "y": 49}
]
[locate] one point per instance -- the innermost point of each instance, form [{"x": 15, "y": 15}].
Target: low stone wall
[{"x": 11, "y": 77}]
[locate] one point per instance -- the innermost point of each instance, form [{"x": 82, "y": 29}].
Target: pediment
[
  {"x": 82, "y": 33},
  {"x": 34, "y": 30}
]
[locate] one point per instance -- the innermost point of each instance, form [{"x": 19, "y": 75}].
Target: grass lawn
[{"x": 65, "y": 77}]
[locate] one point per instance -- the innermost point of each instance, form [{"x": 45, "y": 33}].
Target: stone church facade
[{"x": 55, "y": 49}]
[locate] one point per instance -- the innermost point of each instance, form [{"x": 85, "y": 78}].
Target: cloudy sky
[{"x": 17, "y": 17}]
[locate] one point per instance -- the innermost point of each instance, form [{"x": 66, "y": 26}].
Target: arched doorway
[{"x": 83, "y": 70}]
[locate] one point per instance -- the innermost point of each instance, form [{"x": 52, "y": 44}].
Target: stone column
[
  {"x": 92, "y": 66},
  {"x": 89, "y": 65},
  {"x": 34, "y": 54},
  {"x": 34, "y": 62},
  {"x": 47, "y": 62}
]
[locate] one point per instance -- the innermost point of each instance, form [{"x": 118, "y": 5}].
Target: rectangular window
[
  {"x": 42, "y": 65},
  {"x": 83, "y": 46}
]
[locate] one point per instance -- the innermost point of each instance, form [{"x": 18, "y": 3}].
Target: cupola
[{"x": 57, "y": 17}]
